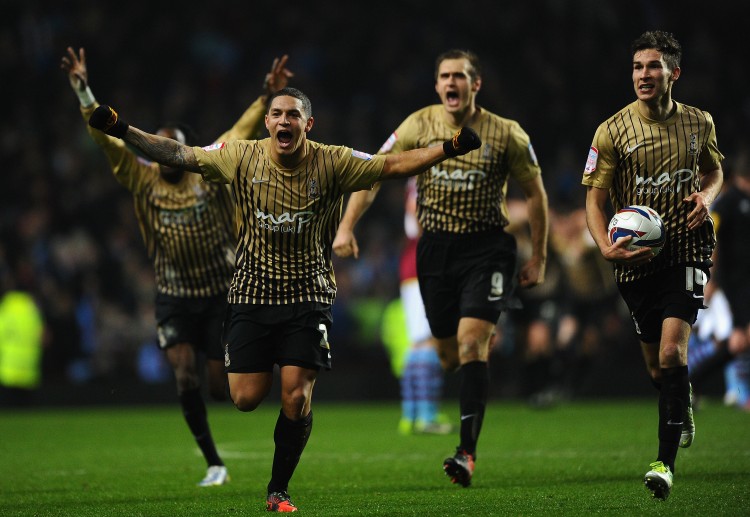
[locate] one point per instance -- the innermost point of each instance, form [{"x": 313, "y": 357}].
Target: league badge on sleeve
[
  {"x": 215, "y": 147},
  {"x": 361, "y": 155},
  {"x": 591, "y": 161}
]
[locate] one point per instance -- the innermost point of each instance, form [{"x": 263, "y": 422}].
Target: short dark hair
[
  {"x": 475, "y": 69},
  {"x": 297, "y": 94},
  {"x": 664, "y": 42}
]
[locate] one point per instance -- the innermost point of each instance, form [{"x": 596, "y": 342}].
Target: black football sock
[
  {"x": 290, "y": 437},
  {"x": 194, "y": 410},
  {"x": 475, "y": 381},
  {"x": 673, "y": 403},
  {"x": 577, "y": 375},
  {"x": 536, "y": 375}
]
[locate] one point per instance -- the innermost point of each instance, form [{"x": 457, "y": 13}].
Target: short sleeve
[
  {"x": 601, "y": 161},
  {"x": 218, "y": 162},
  {"x": 710, "y": 157},
  {"x": 359, "y": 171},
  {"x": 522, "y": 161}
]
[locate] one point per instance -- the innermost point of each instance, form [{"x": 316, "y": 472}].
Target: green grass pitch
[{"x": 575, "y": 459}]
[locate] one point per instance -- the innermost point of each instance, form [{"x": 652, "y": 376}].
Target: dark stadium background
[{"x": 67, "y": 229}]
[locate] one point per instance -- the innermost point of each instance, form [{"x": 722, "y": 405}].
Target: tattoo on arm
[{"x": 163, "y": 150}]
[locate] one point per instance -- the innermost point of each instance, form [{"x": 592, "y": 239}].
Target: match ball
[{"x": 642, "y": 223}]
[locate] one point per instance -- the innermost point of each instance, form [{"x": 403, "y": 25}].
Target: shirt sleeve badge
[{"x": 591, "y": 160}]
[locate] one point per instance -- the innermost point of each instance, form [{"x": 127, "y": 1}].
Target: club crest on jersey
[
  {"x": 313, "y": 191},
  {"x": 693, "y": 150},
  {"x": 591, "y": 160},
  {"x": 215, "y": 147},
  {"x": 388, "y": 144}
]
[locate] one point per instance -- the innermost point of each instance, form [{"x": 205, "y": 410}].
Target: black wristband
[
  {"x": 105, "y": 119},
  {"x": 449, "y": 149}
]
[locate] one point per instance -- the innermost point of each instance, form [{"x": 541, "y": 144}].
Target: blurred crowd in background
[{"x": 68, "y": 235}]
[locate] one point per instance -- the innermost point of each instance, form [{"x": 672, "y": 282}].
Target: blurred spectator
[{"x": 21, "y": 333}]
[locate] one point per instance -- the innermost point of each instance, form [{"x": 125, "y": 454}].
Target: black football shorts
[
  {"x": 466, "y": 276},
  {"x": 258, "y": 336},
  {"x": 196, "y": 321},
  {"x": 675, "y": 292}
]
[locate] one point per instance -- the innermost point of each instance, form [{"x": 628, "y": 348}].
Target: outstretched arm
[
  {"x": 416, "y": 161},
  {"x": 125, "y": 165},
  {"x": 400, "y": 165},
  {"x": 160, "y": 149}
]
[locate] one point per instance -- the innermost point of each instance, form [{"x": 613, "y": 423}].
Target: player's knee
[
  {"x": 470, "y": 351},
  {"x": 672, "y": 355},
  {"x": 245, "y": 401},
  {"x": 296, "y": 402},
  {"x": 449, "y": 361}
]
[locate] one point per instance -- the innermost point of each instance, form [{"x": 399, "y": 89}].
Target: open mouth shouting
[
  {"x": 452, "y": 99},
  {"x": 284, "y": 139}
]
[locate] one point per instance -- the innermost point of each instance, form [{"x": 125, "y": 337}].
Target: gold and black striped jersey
[
  {"x": 287, "y": 217},
  {"x": 189, "y": 227},
  {"x": 467, "y": 193},
  {"x": 657, "y": 164}
]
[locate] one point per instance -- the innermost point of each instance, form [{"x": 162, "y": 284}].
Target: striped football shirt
[
  {"x": 466, "y": 194},
  {"x": 657, "y": 164},
  {"x": 287, "y": 217}
]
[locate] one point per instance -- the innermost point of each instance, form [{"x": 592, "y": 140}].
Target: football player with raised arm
[
  {"x": 288, "y": 200},
  {"x": 190, "y": 233}
]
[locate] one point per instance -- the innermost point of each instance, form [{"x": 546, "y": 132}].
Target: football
[{"x": 642, "y": 223}]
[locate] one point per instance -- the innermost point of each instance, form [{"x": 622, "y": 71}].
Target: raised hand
[
  {"x": 279, "y": 75},
  {"x": 75, "y": 66}
]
